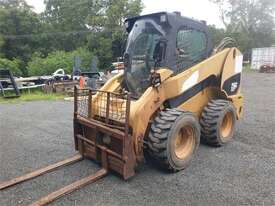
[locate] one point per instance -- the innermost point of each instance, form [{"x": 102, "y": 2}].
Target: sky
[{"x": 197, "y": 9}]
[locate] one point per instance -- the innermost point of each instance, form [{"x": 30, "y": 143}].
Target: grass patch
[{"x": 34, "y": 95}]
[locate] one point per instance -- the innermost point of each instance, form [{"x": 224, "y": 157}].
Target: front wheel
[{"x": 174, "y": 138}]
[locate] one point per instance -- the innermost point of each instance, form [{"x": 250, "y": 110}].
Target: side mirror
[{"x": 159, "y": 52}]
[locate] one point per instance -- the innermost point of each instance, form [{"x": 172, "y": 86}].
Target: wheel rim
[
  {"x": 227, "y": 125},
  {"x": 184, "y": 142}
]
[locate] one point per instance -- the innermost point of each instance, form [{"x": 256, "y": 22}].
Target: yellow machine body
[{"x": 219, "y": 68}]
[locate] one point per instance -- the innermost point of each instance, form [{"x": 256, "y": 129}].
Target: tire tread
[{"x": 158, "y": 136}]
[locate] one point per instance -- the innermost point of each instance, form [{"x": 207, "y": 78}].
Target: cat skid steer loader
[{"x": 175, "y": 91}]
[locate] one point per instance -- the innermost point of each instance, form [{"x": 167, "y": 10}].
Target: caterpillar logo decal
[{"x": 232, "y": 84}]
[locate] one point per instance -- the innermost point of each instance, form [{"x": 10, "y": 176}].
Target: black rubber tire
[
  {"x": 164, "y": 129},
  {"x": 211, "y": 121}
]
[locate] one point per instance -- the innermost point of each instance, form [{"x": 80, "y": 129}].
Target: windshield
[{"x": 140, "y": 48}]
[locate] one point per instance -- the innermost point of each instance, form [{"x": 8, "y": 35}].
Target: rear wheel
[
  {"x": 173, "y": 138},
  {"x": 218, "y": 122}
]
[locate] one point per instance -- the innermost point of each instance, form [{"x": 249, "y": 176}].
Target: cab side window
[{"x": 191, "y": 47}]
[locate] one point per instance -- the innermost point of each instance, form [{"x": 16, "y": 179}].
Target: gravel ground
[{"x": 35, "y": 134}]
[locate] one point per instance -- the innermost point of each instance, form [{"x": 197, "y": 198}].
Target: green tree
[
  {"x": 40, "y": 65},
  {"x": 249, "y": 21},
  {"x": 65, "y": 26},
  {"x": 68, "y": 20},
  {"x": 18, "y": 24},
  {"x": 15, "y": 4},
  {"x": 110, "y": 22},
  {"x": 12, "y": 65},
  {"x": 217, "y": 34},
  {"x": 96, "y": 22},
  {"x": 116, "y": 13},
  {"x": 101, "y": 45},
  {"x": 1, "y": 44}
]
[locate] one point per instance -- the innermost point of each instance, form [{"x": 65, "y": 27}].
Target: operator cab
[{"x": 162, "y": 40}]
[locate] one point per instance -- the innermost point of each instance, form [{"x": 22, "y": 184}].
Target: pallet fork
[
  {"x": 62, "y": 191},
  {"x": 88, "y": 141}
]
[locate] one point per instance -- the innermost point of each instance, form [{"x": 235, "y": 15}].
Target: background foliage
[
  {"x": 249, "y": 22},
  {"x": 39, "y": 65},
  {"x": 45, "y": 42},
  {"x": 36, "y": 44},
  {"x": 12, "y": 65}
]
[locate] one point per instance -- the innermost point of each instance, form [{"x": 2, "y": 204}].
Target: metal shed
[{"x": 262, "y": 56}]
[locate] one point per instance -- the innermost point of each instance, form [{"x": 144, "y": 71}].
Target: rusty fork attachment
[
  {"x": 101, "y": 129},
  {"x": 101, "y": 133},
  {"x": 62, "y": 191}
]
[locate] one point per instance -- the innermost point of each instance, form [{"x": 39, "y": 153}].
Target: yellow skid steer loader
[{"x": 175, "y": 91}]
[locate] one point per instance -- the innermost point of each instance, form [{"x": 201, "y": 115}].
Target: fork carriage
[{"x": 101, "y": 129}]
